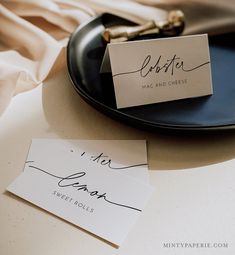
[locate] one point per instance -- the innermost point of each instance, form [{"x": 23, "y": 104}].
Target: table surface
[{"x": 54, "y": 110}]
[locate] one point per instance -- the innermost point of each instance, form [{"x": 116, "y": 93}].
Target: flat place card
[
  {"x": 85, "y": 186},
  {"x": 159, "y": 70}
]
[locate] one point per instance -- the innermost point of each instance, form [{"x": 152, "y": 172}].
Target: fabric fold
[{"x": 28, "y": 56}]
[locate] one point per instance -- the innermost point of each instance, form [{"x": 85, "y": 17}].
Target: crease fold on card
[
  {"x": 68, "y": 181},
  {"x": 159, "y": 70}
]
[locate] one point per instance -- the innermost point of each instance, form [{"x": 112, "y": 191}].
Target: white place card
[
  {"x": 65, "y": 178},
  {"x": 124, "y": 156},
  {"x": 159, "y": 70}
]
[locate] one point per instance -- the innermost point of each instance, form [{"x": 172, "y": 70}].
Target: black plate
[{"x": 85, "y": 52}]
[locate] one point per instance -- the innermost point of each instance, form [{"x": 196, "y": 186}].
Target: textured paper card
[
  {"x": 123, "y": 156},
  {"x": 62, "y": 178},
  {"x": 159, "y": 70}
]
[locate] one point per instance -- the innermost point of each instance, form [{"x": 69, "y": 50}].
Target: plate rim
[{"x": 119, "y": 114}]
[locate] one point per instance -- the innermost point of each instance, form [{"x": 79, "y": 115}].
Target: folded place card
[
  {"x": 159, "y": 70},
  {"x": 84, "y": 186}
]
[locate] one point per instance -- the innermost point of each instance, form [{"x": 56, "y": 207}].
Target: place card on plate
[
  {"x": 159, "y": 70},
  {"x": 84, "y": 186}
]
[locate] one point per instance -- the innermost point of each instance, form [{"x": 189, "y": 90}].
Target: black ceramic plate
[{"x": 85, "y": 52}]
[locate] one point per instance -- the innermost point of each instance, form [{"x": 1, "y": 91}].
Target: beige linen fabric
[{"x": 33, "y": 33}]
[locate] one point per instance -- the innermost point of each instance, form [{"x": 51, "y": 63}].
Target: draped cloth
[{"x": 34, "y": 33}]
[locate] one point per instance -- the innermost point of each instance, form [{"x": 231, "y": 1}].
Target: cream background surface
[
  {"x": 191, "y": 205},
  {"x": 194, "y": 205}
]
